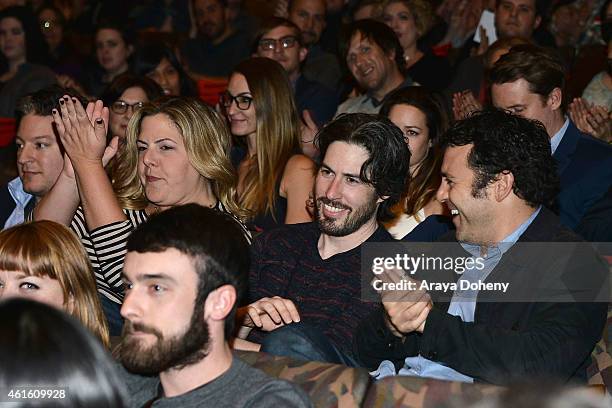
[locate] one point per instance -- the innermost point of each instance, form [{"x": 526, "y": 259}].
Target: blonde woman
[
  {"x": 275, "y": 179},
  {"x": 44, "y": 261},
  {"x": 177, "y": 152}
]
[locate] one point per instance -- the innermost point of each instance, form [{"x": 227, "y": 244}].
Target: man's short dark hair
[
  {"x": 269, "y": 25},
  {"x": 503, "y": 142},
  {"x": 42, "y": 102},
  {"x": 387, "y": 167},
  {"x": 541, "y": 67},
  {"x": 541, "y": 7},
  {"x": 378, "y": 33},
  {"x": 212, "y": 239}
]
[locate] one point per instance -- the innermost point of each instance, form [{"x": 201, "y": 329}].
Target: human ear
[{"x": 220, "y": 302}]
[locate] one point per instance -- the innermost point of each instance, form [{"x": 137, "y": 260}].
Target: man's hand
[
  {"x": 406, "y": 310},
  {"x": 268, "y": 314}
]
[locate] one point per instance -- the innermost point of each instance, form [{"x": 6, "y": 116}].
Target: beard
[
  {"x": 167, "y": 353},
  {"x": 352, "y": 222}
]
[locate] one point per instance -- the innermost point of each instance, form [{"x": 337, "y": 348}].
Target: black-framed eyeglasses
[
  {"x": 269, "y": 44},
  {"x": 243, "y": 102},
  {"x": 120, "y": 107}
]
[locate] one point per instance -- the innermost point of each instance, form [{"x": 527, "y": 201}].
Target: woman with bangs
[
  {"x": 176, "y": 152},
  {"x": 421, "y": 119},
  {"x": 44, "y": 261},
  {"x": 275, "y": 179}
]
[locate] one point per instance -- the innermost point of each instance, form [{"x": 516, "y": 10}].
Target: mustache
[
  {"x": 130, "y": 328},
  {"x": 333, "y": 203}
]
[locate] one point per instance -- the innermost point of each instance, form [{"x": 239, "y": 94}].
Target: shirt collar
[
  {"x": 556, "y": 139},
  {"x": 15, "y": 188}
]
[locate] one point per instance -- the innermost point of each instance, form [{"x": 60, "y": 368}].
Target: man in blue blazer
[{"x": 529, "y": 81}]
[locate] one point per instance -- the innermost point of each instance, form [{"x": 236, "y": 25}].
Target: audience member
[
  {"x": 418, "y": 115},
  {"x": 39, "y": 156},
  {"x": 495, "y": 164},
  {"x": 368, "y": 9},
  {"x": 159, "y": 63},
  {"x": 320, "y": 65},
  {"x": 125, "y": 95},
  {"x": 218, "y": 46},
  {"x": 62, "y": 58},
  {"x": 177, "y": 152},
  {"x": 530, "y": 81},
  {"x": 185, "y": 271},
  {"x": 410, "y": 20},
  {"x": 114, "y": 47},
  {"x": 375, "y": 58},
  {"x": 280, "y": 40},
  {"x": 305, "y": 281},
  {"x": 274, "y": 178},
  {"x": 22, "y": 49},
  {"x": 44, "y": 349},
  {"x": 45, "y": 261}
]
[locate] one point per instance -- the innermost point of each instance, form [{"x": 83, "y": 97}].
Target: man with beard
[
  {"x": 184, "y": 272},
  {"x": 218, "y": 47},
  {"x": 305, "y": 282}
]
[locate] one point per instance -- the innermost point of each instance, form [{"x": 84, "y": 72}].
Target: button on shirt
[{"x": 463, "y": 304}]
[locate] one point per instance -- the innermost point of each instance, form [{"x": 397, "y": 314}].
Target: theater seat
[
  {"x": 210, "y": 89},
  {"x": 7, "y": 131}
]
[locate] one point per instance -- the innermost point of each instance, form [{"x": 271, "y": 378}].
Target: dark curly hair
[
  {"x": 507, "y": 143},
  {"x": 387, "y": 167}
]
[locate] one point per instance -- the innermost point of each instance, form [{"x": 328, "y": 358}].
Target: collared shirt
[
  {"x": 463, "y": 304},
  {"x": 555, "y": 141},
  {"x": 22, "y": 199},
  {"x": 366, "y": 103}
]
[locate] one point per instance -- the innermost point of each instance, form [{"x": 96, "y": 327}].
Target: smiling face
[
  {"x": 242, "y": 122},
  {"x": 118, "y": 121},
  {"x": 112, "y": 52},
  {"x": 368, "y": 63},
  {"x": 400, "y": 19},
  {"x": 39, "y": 159},
  {"x": 516, "y": 18},
  {"x": 163, "y": 327},
  {"x": 344, "y": 203},
  {"x": 39, "y": 288},
  {"x": 413, "y": 125},
  {"x": 470, "y": 210},
  {"x": 167, "y": 175},
  {"x": 12, "y": 39},
  {"x": 167, "y": 77}
]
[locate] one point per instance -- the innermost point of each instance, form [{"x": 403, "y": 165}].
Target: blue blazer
[{"x": 585, "y": 171}]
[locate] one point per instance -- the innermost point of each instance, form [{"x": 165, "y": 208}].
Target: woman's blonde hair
[
  {"x": 277, "y": 133},
  {"x": 422, "y": 12},
  {"x": 207, "y": 142},
  {"x": 46, "y": 248}
]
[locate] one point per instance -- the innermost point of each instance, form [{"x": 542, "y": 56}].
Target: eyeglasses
[
  {"x": 120, "y": 107},
  {"x": 269, "y": 44},
  {"x": 243, "y": 102}
]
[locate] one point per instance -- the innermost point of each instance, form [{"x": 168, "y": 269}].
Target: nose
[
  {"x": 442, "y": 193},
  {"x": 149, "y": 158},
  {"x": 25, "y": 154},
  {"x": 130, "y": 309},
  {"x": 8, "y": 291},
  {"x": 309, "y": 24},
  {"x": 334, "y": 189},
  {"x": 163, "y": 81}
]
